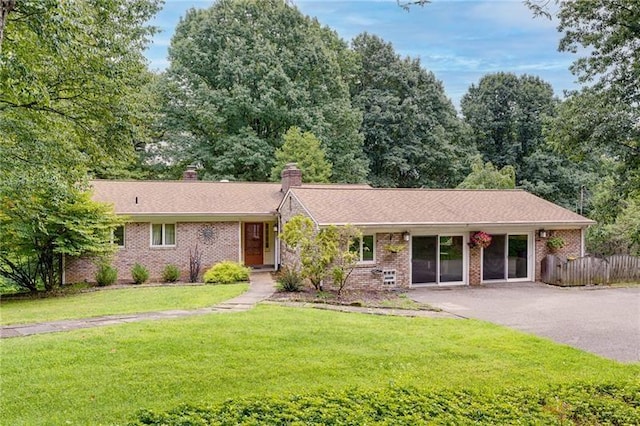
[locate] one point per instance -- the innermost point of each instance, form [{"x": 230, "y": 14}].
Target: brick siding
[
  {"x": 572, "y": 245},
  {"x": 365, "y": 275},
  {"x": 224, "y": 245},
  {"x": 475, "y": 265},
  {"x": 368, "y": 275},
  {"x": 290, "y": 208}
]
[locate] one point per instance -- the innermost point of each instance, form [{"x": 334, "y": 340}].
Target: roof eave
[
  {"x": 584, "y": 223},
  {"x": 198, "y": 214}
]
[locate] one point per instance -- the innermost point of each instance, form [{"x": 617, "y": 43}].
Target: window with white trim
[
  {"x": 163, "y": 234},
  {"x": 365, "y": 247},
  {"x": 117, "y": 236}
]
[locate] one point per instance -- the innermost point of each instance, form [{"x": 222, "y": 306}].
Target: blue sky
[{"x": 459, "y": 40}]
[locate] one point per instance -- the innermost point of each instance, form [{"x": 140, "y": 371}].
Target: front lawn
[
  {"x": 104, "y": 375},
  {"x": 115, "y": 301}
]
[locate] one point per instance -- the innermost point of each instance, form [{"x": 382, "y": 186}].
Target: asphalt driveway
[{"x": 603, "y": 321}]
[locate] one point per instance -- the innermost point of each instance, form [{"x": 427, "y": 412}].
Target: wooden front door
[{"x": 253, "y": 243}]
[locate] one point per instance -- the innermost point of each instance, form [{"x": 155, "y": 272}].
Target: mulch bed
[{"x": 365, "y": 298}]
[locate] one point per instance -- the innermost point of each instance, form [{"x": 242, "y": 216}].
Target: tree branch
[{"x": 6, "y": 7}]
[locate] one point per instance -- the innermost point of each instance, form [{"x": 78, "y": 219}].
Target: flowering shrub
[{"x": 480, "y": 239}]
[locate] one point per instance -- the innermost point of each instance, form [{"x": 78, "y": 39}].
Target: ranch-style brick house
[{"x": 411, "y": 237}]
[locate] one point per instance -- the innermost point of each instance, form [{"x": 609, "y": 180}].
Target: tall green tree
[
  {"x": 304, "y": 149},
  {"x": 412, "y": 135},
  {"x": 242, "y": 73},
  {"x": 70, "y": 73},
  {"x": 602, "y": 118},
  {"x": 606, "y": 113},
  {"x": 507, "y": 113},
  {"x": 487, "y": 176}
]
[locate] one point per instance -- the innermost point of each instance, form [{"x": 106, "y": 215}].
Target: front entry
[{"x": 253, "y": 244}]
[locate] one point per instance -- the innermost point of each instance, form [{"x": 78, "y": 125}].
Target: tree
[
  {"x": 345, "y": 258},
  {"x": 322, "y": 252},
  {"x": 610, "y": 31},
  {"x": 69, "y": 78},
  {"x": 303, "y": 149},
  {"x": 602, "y": 118},
  {"x": 507, "y": 114},
  {"x": 242, "y": 73},
  {"x": 314, "y": 249},
  {"x": 68, "y": 75},
  {"x": 42, "y": 218},
  {"x": 618, "y": 227},
  {"x": 412, "y": 135},
  {"x": 486, "y": 176},
  {"x": 555, "y": 177}
]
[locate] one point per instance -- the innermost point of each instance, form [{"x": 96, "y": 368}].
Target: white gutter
[{"x": 461, "y": 224}]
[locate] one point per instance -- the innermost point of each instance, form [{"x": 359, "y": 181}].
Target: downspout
[
  {"x": 240, "y": 243},
  {"x": 276, "y": 242},
  {"x": 63, "y": 277}
]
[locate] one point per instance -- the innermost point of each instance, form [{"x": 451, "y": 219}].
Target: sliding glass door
[
  {"x": 424, "y": 255},
  {"x": 518, "y": 266},
  {"x": 451, "y": 266},
  {"x": 506, "y": 258},
  {"x": 437, "y": 259},
  {"x": 493, "y": 261}
]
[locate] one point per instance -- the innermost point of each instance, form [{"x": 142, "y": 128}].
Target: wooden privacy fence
[{"x": 590, "y": 270}]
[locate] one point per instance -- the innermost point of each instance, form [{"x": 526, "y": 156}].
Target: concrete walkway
[{"x": 261, "y": 287}]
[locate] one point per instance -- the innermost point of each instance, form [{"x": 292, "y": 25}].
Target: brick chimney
[
  {"x": 291, "y": 176},
  {"x": 190, "y": 173}
]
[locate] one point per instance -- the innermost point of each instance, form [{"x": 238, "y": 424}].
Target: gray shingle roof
[
  {"x": 438, "y": 207},
  {"x": 189, "y": 197},
  {"x": 334, "y": 204}
]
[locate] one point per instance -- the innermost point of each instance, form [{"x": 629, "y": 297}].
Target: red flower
[{"x": 480, "y": 239}]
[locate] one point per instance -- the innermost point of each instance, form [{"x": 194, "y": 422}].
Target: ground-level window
[
  {"x": 364, "y": 246},
  {"x": 163, "y": 234},
  {"x": 117, "y": 236}
]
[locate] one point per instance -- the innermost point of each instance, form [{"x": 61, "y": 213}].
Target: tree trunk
[{"x": 6, "y": 6}]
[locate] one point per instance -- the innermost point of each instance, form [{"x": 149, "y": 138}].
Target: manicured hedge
[{"x": 570, "y": 404}]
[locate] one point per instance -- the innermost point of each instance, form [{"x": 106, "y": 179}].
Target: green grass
[
  {"x": 115, "y": 301},
  {"x": 404, "y": 302},
  {"x": 104, "y": 375}
]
